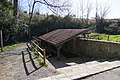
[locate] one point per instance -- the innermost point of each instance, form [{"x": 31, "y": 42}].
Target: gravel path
[{"x": 18, "y": 65}]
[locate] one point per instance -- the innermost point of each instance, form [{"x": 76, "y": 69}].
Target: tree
[
  {"x": 29, "y": 5},
  {"x": 11, "y": 26},
  {"x": 15, "y": 10},
  {"x": 101, "y": 13},
  {"x": 88, "y": 9},
  {"x": 82, "y": 11},
  {"x": 62, "y": 11},
  {"x": 5, "y": 16},
  {"x": 5, "y": 12},
  {"x": 85, "y": 10},
  {"x": 5, "y": 8},
  {"x": 49, "y": 6}
]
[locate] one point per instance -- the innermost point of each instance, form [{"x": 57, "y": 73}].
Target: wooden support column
[
  {"x": 88, "y": 36},
  {"x": 74, "y": 45},
  {"x": 58, "y": 52},
  {"x": 84, "y": 36},
  {"x": 44, "y": 56}
]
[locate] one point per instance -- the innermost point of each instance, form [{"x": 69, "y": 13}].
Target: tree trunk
[{"x": 15, "y": 8}]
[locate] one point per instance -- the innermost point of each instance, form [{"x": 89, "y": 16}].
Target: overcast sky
[{"x": 114, "y": 7}]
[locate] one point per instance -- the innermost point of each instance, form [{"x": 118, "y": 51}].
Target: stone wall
[{"x": 94, "y": 48}]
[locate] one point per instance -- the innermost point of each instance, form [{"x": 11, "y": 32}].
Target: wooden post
[
  {"x": 74, "y": 46},
  {"x": 84, "y": 36},
  {"x": 1, "y": 40},
  {"x": 58, "y": 52},
  {"x": 88, "y": 36},
  {"x": 47, "y": 30},
  {"x": 40, "y": 42},
  {"x": 44, "y": 56},
  {"x": 108, "y": 37}
]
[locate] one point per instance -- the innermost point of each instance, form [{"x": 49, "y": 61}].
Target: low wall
[{"x": 95, "y": 48}]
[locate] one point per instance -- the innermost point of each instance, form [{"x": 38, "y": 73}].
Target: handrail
[
  {"x": 38, "y": 40},
  {"x": 38, "y": 50},
  {"x": 32, "y": 42}
]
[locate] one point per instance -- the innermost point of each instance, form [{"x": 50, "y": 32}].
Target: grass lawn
[
  {"x": 114, "y": 38},
  {"x": 10, "y": 47}
]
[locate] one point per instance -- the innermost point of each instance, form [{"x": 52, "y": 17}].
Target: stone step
[
  {"x": 56, "y": 77},
  {"x": 82, "y": 70},
  {"x": 92, "y": 63}
]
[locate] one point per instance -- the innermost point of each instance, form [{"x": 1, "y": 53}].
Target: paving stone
[
  {"x": 75, "y": 76},
  {"x": 59, "y": 76},
  {"x": 70, "y": 73},
  {"x": 53, "y": 78},
  {"x": 66, "y": 68},
  {"x": 65, "y": 78},
  {"x": 47, "y": 78},
  {"x": 92, "y": 63}
]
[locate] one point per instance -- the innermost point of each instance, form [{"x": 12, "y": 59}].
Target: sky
[{"x": 113, "y": 12}]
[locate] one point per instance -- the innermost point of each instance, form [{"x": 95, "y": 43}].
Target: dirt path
[{"x": 18, "y": 65}]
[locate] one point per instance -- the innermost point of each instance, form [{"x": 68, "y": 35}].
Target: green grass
[
  {"x": 40, "y": 59},
  {"x": 113, "y": 38},
  {"x": 9, "y": 48}
]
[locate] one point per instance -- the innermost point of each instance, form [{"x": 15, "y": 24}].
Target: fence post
[
  {"x": 108, "y": 37},
  {"x": 1, "y": 40},
  {"x": 44, "y": 56}
]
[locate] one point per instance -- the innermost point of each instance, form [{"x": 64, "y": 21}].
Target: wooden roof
[{"x": 60, "y": 36}]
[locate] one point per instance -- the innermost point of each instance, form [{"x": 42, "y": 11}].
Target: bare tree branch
[
  {"x": 49, "y": 6},
  {"x": 85, "y": 10},
  {"x": 102, "y": 11},
  {"x": 89, "y": 9},
  {"x": 29, "y": 5}
]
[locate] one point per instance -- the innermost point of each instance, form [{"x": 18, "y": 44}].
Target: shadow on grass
[{"x": 32, "y": 62}]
